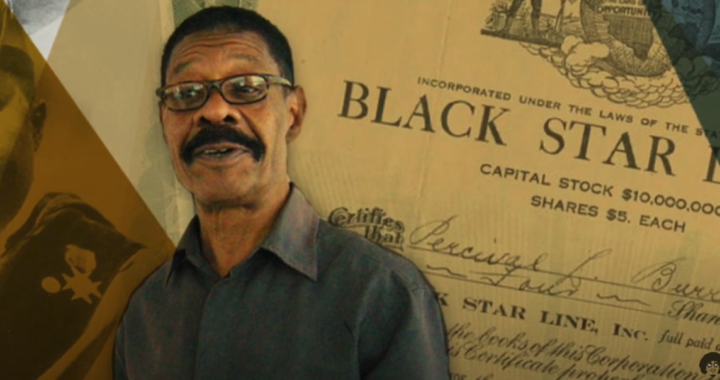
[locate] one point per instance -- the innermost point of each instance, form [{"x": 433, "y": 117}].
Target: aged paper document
[{"x": 548, "y": 171}]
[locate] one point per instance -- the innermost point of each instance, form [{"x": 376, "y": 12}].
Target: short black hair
[
  {"x": 233, "y": 20},
  {"x": 709, "y": 357},
  {"x": 18, "y": 65}
]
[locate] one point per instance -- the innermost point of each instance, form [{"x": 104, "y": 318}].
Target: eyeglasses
[{"x": 241, "y": 89}]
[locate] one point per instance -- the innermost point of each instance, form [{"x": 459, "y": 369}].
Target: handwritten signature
[
  {"x": 430, "y": 237},
  {"x": 660, "y": 278},
  {"x": 517, "y": 272}
]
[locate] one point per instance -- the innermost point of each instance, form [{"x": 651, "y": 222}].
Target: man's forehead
[{"x": 240, "y": 46}]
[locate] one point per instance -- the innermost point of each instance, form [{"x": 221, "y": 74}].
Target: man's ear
[
  {"x": 38, "y": 114},
  {"x": 298, "y": 106}
]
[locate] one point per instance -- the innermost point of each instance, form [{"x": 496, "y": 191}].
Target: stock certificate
[{"x": 551, "y": 168}]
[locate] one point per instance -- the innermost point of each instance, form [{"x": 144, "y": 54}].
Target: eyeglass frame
[{"x": 217, "y": 84}]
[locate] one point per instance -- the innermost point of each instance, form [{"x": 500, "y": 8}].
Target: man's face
[
  {"x": 17, "y": 148},
  {"x": 713, "y": 368},
  {"x": 240, "y": 176}
]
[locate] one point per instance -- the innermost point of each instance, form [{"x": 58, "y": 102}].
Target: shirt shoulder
[
  {"x": 158, "y": 278},
  {"x": 151, "y": 289},
  {"x": 346, "y": 252},
  {"x": 56, "y": 209}
]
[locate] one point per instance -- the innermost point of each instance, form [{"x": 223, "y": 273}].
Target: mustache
[{"x": 219, "y": 134}]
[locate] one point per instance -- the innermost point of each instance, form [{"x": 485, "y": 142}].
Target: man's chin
[
  {"x": 215, "y": 205},
  {"x": 222, "y": 196}
]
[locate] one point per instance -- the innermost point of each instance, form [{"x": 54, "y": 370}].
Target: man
[
  {"x": 260, "y": 287},
  {"x": 58, "y": 266}
]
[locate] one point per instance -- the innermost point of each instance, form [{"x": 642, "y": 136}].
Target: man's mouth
[
  {"x": 216, "y": 150},
  {"x": 221, "y": 143},
  {"x": 213, "y": 152}
]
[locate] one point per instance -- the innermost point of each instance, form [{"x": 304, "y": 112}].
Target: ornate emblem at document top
[{"x": 621, "y": 50}]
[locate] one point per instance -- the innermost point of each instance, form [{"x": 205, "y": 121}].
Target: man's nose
[{"x": 216, "y": 110}]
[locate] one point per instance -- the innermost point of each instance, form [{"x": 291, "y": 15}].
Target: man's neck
[{"x": 229, "y": 235}]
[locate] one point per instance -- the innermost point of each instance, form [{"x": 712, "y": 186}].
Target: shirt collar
[{"x": 292, "y": 237}]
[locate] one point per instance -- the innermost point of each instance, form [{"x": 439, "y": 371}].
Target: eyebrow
[{"x": 241, "y": 57}]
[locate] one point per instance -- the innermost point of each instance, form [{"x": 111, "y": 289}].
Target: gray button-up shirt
[{"x": 312, "y": 302}]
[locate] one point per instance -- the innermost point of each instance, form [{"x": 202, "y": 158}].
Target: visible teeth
[{"x": 215, "y": 151}]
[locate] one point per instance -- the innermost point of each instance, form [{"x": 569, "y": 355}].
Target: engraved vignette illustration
[{"x": 640, "y": 53}]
